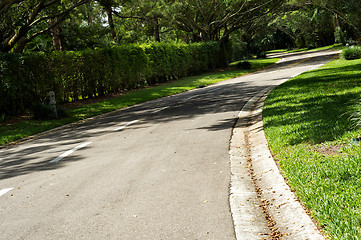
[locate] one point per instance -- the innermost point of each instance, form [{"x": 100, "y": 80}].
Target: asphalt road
[{"x": 159, "y": 170}]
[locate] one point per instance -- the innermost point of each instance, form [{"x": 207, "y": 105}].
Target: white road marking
[
  {"x": 273, "y": 72},
  {"x": 126, "y": 125},
  {"x": 160, "y": 109},
  {"x": 187, "y": 99},
  {"x": 213, "y": 90},
  {"x": 3, "y": 191},
  {"x": 67, "y": 153}
]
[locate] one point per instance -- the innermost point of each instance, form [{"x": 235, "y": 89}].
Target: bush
[
  {"x": 25, "y": 80},
  {"x": 43, "y": 111},
  {"x": 167, "y": 61},
  {"x": 351, "y": 53},
  {"x": 239, "y": 50},
  {"x": 261, "y": 55},
  {"x": 244, "y": 65},
  {"x": 204, "y": 57}
]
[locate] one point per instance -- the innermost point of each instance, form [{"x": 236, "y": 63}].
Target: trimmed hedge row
[{"x": 26, "y": 79}]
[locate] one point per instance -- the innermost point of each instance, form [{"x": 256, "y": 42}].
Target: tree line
[
  {"x": 250, "y": 25},
  {"x": 87, "y": 48}
]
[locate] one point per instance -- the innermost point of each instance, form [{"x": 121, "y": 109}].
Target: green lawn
[
  {"x": 307, "y": 125},
  {"x": 335, "y": 46},
  {"x": 27, "y": 128},
  {"x": 277, "y": 51}
]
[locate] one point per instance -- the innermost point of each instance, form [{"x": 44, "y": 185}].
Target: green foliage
[
  {"x": 351, "y": 53},
  {"x": 239, "y": 49},
  {"x": 339, "y": 35},
  {"x": 244, "y": 65},
  {"x": 167, "y": 61},
  {"x": 43, "y": 111},
  {"x": 204, "y": 56},
  {"x": 22, "y": 21},
  {"x": 79, "y": 37},
  {"x": 214, "y": 20},
  {"x": 309, "y": 27},
  {"x": 355, "y": 116},
  {"x": 171, "y": 61},
  {"x": 261, "y": 54},
  {"x": 25, "y": 80},
  {"x": 23, "y": 129}
]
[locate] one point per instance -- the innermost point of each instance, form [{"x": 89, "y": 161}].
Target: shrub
[
  {"x": 351, "y": 53},
  {"x": 43, "y": 111},
  {"x": 239, "y": 50},
  {"x": 167, "y": 61},
  {"x": 261, "y": 55},
  {"x": 244, "y": 65},
  {"x": 25, "y": 80}
]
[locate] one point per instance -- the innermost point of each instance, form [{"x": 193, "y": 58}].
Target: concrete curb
[{"x": 262, "y": 204}]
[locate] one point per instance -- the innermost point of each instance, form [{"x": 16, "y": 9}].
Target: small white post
[{"x": 52, "y": 102}]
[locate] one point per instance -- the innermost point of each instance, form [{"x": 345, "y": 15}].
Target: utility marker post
[{"x": 52, "y": 103}]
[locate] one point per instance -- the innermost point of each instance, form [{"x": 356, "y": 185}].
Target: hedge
[{"x": 26, "y": 79}]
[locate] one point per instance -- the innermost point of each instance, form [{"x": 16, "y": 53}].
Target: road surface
[{"x": 158, "y": 170}]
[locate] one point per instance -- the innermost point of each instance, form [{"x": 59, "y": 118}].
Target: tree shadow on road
[{"x": 221, "y": 98}]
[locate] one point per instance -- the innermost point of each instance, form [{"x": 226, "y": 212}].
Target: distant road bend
[{"x": 158, "y": 170}]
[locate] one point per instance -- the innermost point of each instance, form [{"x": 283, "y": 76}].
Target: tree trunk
[
  {"x": 156, "y": 30},
  {"x": 224, "y": 52},
  {"x": 89, "y": 16},
  {"x": 108, "y": 10},
  {"x": 20, "y": 45},
  {"x": 56, "y": 35}
]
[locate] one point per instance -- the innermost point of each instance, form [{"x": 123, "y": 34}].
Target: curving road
[{"x": 159, "y": 170}]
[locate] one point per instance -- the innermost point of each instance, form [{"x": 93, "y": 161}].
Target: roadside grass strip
[
  {"x": 335, "y": 46},
  {"x": 12, "y": 132},
  {"x": 306, "y": 122}
]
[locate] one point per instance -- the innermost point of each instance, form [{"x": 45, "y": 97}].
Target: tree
[
  {"x": 86, "y": 28},
  {"x": 108, "y": 6},
  {"x": 347, "y": 11},
  {"x": 153, "y": 16},
  {"x": 308, "y": 26},
  {"x": 216, "y": 20},
  {"x": 23, "y": 20}
]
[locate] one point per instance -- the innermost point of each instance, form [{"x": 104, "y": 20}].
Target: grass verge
[
  {"x": 12, "y": 132},
  {"x": 335, "y": 46},
  {"x": 307, "y": 125}
]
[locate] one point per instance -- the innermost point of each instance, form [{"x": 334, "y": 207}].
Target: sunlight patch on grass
[
  {"x": 335, "y": 46},
  {"x": 307, "y": 125}
]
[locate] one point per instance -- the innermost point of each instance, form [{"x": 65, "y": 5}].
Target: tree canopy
[{"x": 47, "y": 25}]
